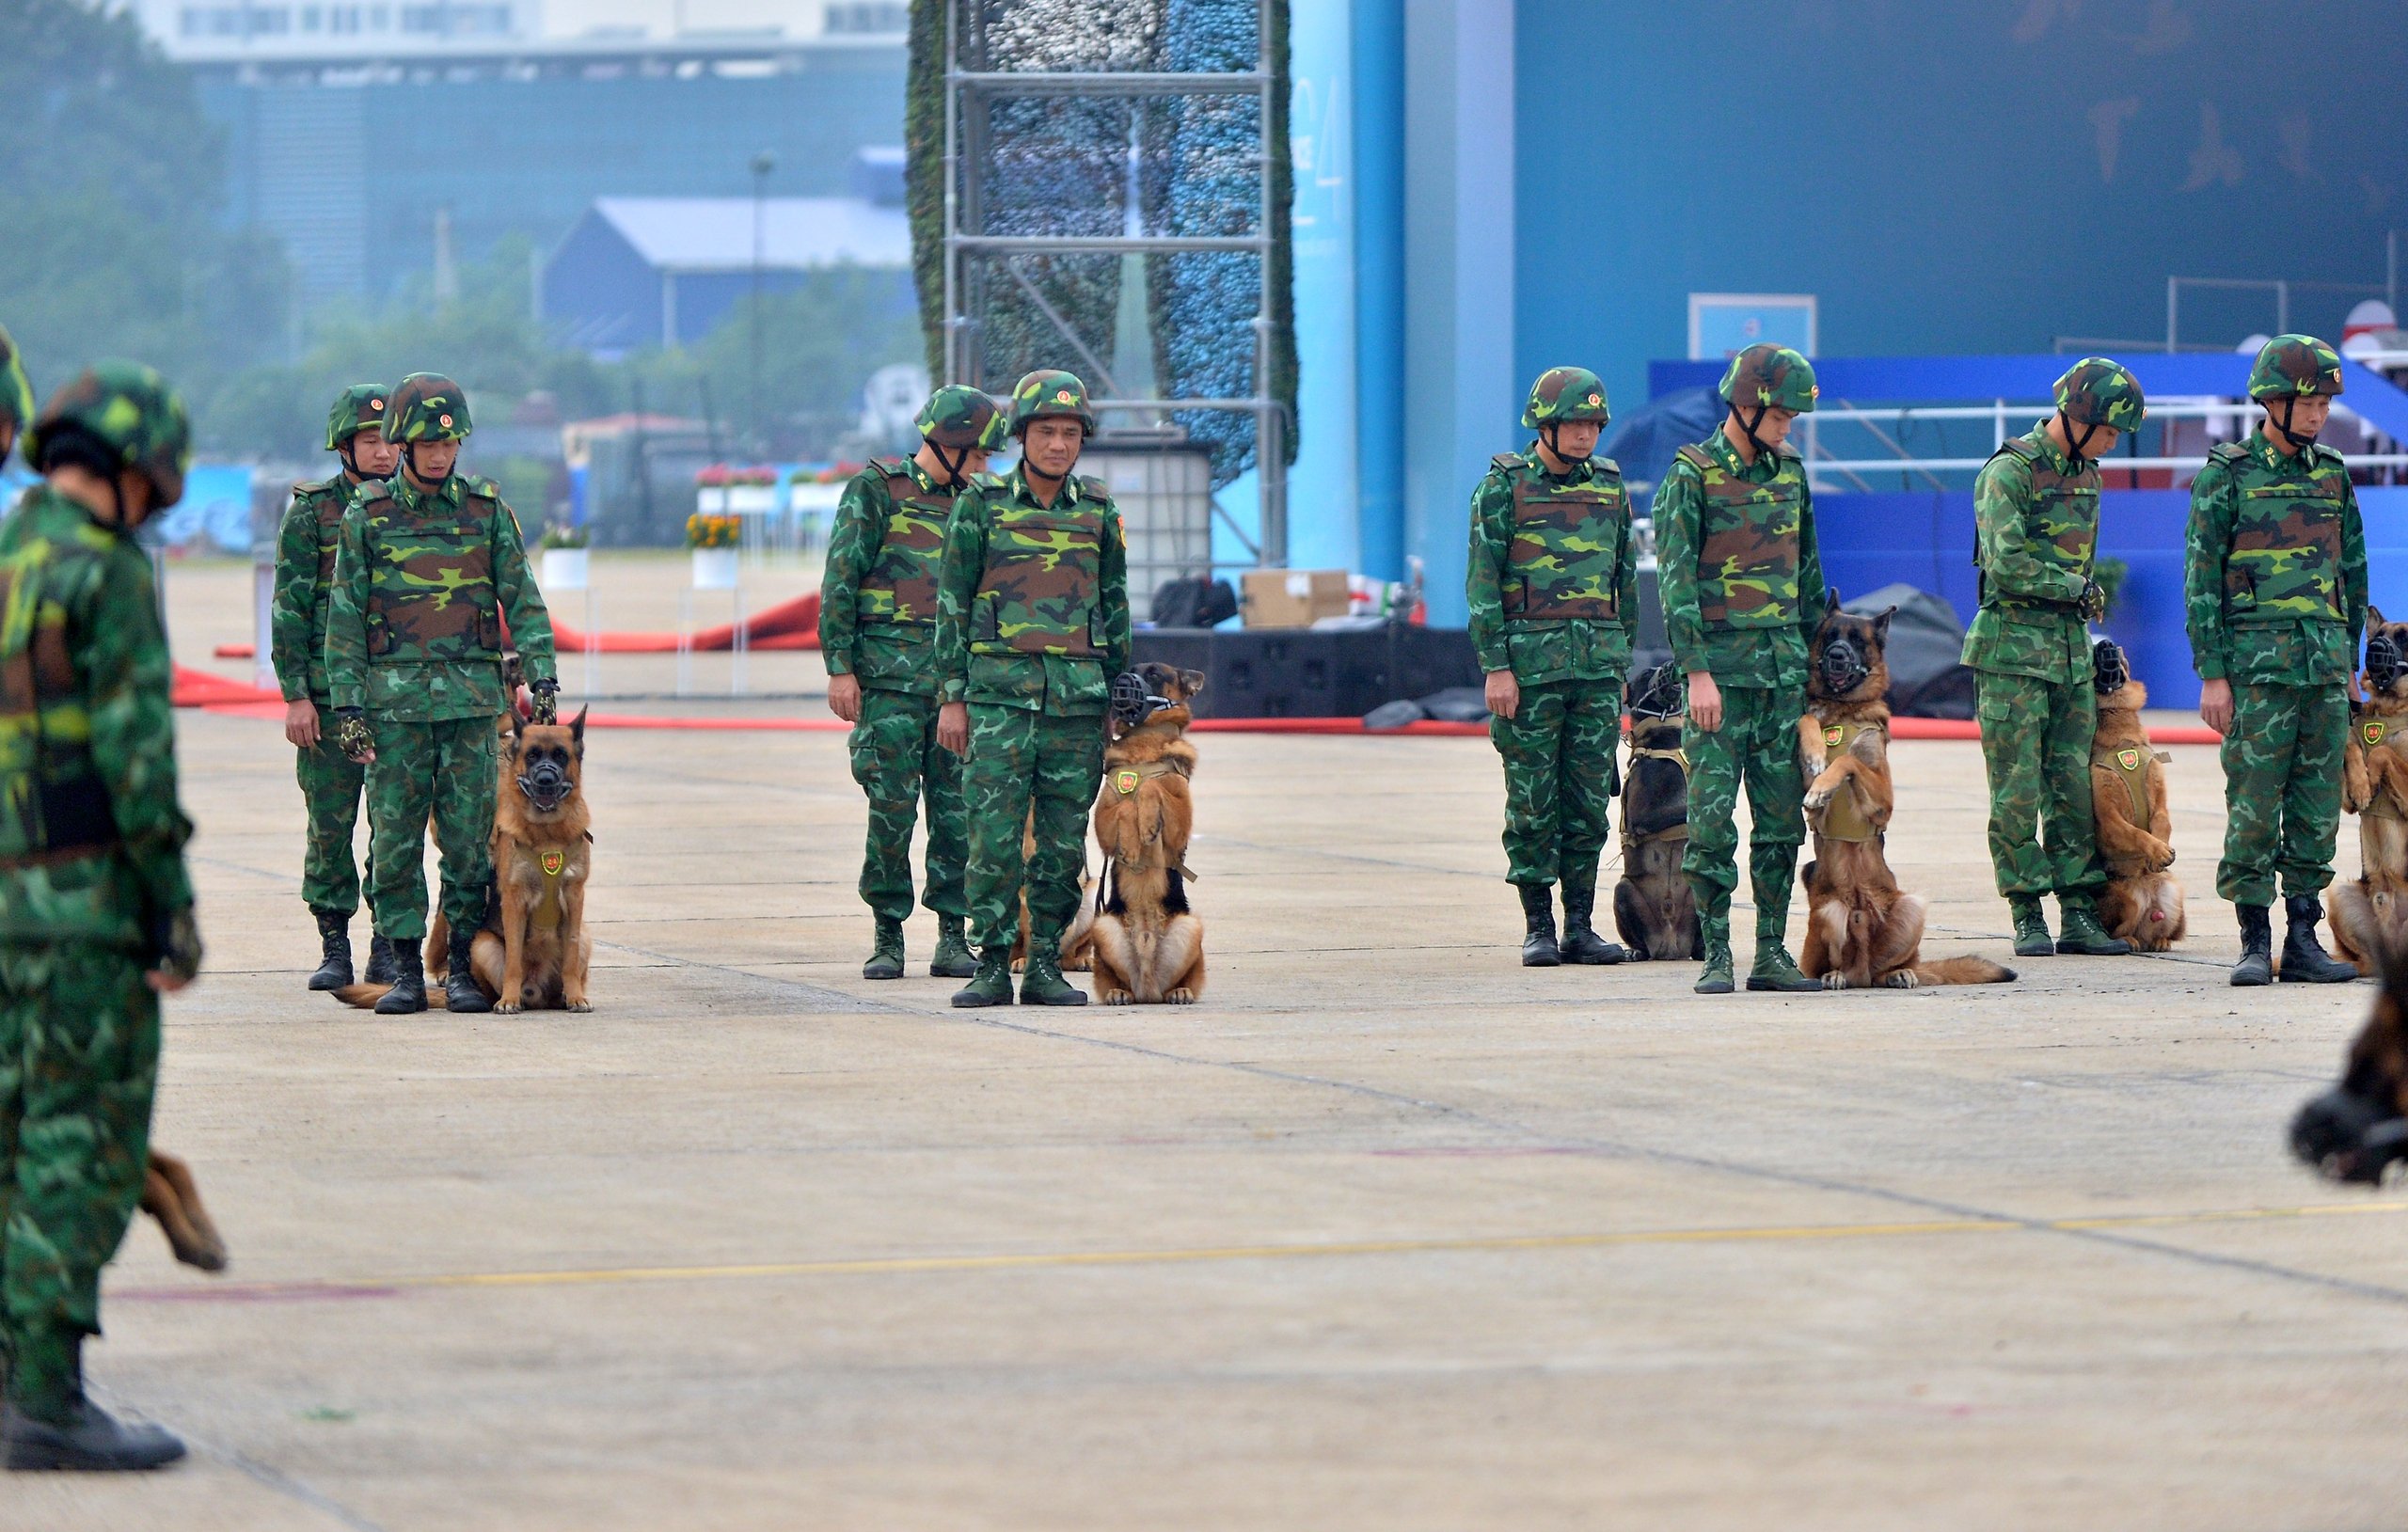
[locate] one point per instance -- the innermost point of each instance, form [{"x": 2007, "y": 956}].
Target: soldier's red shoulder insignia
[
  {"x": 1124, "y": 781},
  {"x": 2372, "y": 731},
  {"x": 553, "y": 862},
  {"x": 2128, "y": 759}
]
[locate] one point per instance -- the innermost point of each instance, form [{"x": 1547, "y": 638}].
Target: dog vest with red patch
[
  {"x": 2130, "y": 764},
  {"x": 546, "y": 914},
  {"x": 1125, "y": 781},
  {"x": 2383, "y": 734},
  {"x": 1844, "y": 819}
]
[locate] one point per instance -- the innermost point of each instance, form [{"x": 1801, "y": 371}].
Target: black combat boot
[
  {"x": 380, "y": 960},
  {"x": 993, "y": 984},
  {"x": 333, "y": 940},
  {"x": 2079, "y": 932},
  {"x": 58, "y": 1427},
  {"x": 1581, "y": 943},
  {"x": 1538, "y": 924},
  {"x": 953, "y": 958},
  {"x": 461, "y": 995},
  {"x": 2304, "y": 959},
  {"x": 885, "y": 951},
  {"x": 2257, "y": 965},
  {"x": 409, "y": 994},
  {"x": 2032, "y": 938}
]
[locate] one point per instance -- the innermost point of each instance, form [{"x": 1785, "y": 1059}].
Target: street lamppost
[{"x": 763, "y": 164}]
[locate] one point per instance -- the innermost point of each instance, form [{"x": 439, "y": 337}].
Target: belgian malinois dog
[
  {"x": 533, "y": 951},
  {"x": 1860, "y": 930},
  {"x": 1654, "y": 910},
  {"x": 1148, "y": 945},
  {"x": 2370, "y": 914},
  {"x": 2355, "y": 1130},
  {"x": 2142, "y": 901}
]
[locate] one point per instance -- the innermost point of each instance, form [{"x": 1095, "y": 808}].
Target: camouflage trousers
[
  {"x": 897, "y": 761},
  {"x": 2282, "y": 789},
  {"x": 1757, "y": 744},
  {"x": 444, "y": 771},
  {"x": 79, "y": 1060},
  {"x": 1023, "y": 761},
  {"x": 1560, "y": 749},
  {"x": 331, "y": 783},
  {"x": 2035, "y": 747}
]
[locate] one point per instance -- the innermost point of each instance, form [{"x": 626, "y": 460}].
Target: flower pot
[
  {"x": 564, "y": 569},
  {"x": 715, "y": 569}
]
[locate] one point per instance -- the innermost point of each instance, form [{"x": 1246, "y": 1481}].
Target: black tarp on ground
[{"x": 1927, "y": 680}]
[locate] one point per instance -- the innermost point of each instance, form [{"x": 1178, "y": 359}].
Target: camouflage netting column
[{"x": 1058, "y": 166}]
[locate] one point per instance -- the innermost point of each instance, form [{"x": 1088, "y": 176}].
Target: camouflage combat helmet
[
  {"x": 427, "y": 406},
  {"x": 358, "y": 409},
  {"x": 1565, "y": 393},
  {"x": 16, "y": 394},
  {"x": 131, "y": 410},
  {"x": 1049, "y": 391},
  {"x": 2293, "y": 365},
  {"x": 2096, "y": 391},
  {"x": 961, "y": 418},
  {"x": 1770, "y": 377}
]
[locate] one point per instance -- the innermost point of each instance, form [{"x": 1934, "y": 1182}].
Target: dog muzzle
[
  {"x": 2383, "y": 661},
  {"x": 1844, "y": 669},
  {"x": 547, "y": 787},
  {"x": 1132, "y": 702},
  {"x": 2109, "y": 670}
]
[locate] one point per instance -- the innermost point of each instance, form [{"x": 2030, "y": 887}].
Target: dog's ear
[
  {"x": 577, "y": 731},
  {"x": 518, "y": 733},
  {"x": 1831, "y": 597},
  {"x": 2374, "y": 615},
  {"x": 1192, "y": 680},
  {"x": 1881, "y": 626}
]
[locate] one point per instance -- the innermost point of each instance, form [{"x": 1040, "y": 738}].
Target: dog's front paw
[
  {"x": 1078, "y": 965},
  {"x": 1812, "y": 765},
  {"x": 581, "y": 1006},
  {"x": 1903, "y": 979},
  {"x": 1835, "y": 980},
  {"x": 1179, "y": 997},
  {"x": 1118, "y": 997},
  {"x": 507, "y": 1007},
  {"x": 1816, "y": 801}
]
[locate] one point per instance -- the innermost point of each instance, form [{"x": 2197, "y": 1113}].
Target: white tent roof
[{"x": 715, "y": 233}]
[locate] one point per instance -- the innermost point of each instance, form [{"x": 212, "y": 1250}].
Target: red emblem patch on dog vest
[
  {"x": 1124, "y": 781},
  {"x": 1833, "y": 735},
  {"x": 2128, "y": 759},
  {"x": 553, "y": 862},
  {"x": 2371, "y": 732}
]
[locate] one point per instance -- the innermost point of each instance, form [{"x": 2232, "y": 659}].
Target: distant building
[
  {"x": 266, "y": 31},
  {"x": 638, "y": 272}
]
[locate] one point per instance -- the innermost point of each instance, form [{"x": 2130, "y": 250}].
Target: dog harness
[
  {"x": 2383, "y": 734},
  {"x": 546, "y": 914},
  {"x": 1125, "y": 779},
  {"x": 1679, "y": 830},
  {"x": 1844, "y": 819},
  {"x": 2130, "y": 764}
]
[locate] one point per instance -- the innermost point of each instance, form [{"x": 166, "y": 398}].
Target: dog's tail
[
  {"x": 363, "y": 997},
  {"x": 170, "y": 1195},
  {"x": 1962, "y": 970}
]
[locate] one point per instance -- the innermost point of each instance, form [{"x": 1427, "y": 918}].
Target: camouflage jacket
[
  {"x": 1516, "y": 545},
  {"x": 1737, "y": 654},
  {"x": 877, "y": 596},
  {"x": 422, "y": 583},
  {"x": 2036, "y": 533},
  {"x": 87, "y": 736},
  {"x": 2275, "y": 566},
  {"x": 1018, "y": 623},
  {"x": 305, "y": 575}
]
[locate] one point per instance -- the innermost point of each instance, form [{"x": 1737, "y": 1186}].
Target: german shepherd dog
[
  {"x": 2370, "y": 914},
  {"x": 533, "y": 951},
  {"x": 1148, "y": 945},
  {"x": 2142, "y": 901},
  {"x": 1653, "y": 907},
  {"x": 2355, "y": 1130},
  {"x": 171, "y": 1195},
  {"x": 1860, "y": 931}
]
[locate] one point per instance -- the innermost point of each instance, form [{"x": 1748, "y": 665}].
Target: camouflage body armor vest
[
  {"x": 2063, "y": 521},
  {"x": 901, "y": 587},
  {"x": 431, "y": 595},
  {"x": 1568, "y": 541},
  {"x": 1843, "y": 820},
  {"x": 56, "y": 806},
  {"x": 1747, "y": 566},
  {"x": 1044, "y": 565},
  {"x": 2383, "y": 734},
  {"x": 2285, "y": 562}
]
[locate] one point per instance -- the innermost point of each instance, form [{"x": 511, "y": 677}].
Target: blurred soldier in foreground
[
  {"x": 1032, "y": 625},
  {"x": 2036, "y": 506},
  {"x": 2276, "y": 590},
  {"x": 330, "y": 780},
  {"x": 1742, "y": 579},
  {"x": 96, "y": 917},
  {"x": 429, "y": 563},
  {"x": 878, "y": 614},
  {"x": 1548, "y": 577}
]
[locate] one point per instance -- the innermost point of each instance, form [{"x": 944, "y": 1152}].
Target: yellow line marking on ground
[{"x": 902, "y": 1264}]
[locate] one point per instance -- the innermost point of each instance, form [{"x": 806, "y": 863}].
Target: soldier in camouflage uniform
[
  {"x": 330, "y": 780},
  {"x": 16, "y": 396},
  {"x": 2275, "y": 589},
  {"x": 877, "y": 613},
  {"x": 429, "y": 566},
  {"x": 1032, "y": 625},
  {"x": 96, "y": 909},
  {"x": 1548, "y": 577},
  {"x": 1742, "y": 581},
  {"x": 2036, "y": 504}
]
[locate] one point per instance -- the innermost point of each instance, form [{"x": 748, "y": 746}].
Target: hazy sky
[{"x": 571, "y": 18}]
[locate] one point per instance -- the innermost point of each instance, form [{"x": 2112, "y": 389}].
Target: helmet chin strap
[
  {"x": 2076, "y": 444},
  {"x": 1748, "y": 426},
  {"x": 2298, "y": 443},
  {"x": 1551, "y": 434},
  {"x": 952, "y": 465}
]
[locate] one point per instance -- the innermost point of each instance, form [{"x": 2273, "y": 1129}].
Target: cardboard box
[{"x": 1291, "y": 597}]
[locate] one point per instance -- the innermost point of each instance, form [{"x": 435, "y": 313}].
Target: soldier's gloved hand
[
  {"x": 547, "y": 701},
  {"x": 352, "y": 734},
  {"x": 175, "y": 950},
  {"x": 2091, "y": 602}
]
